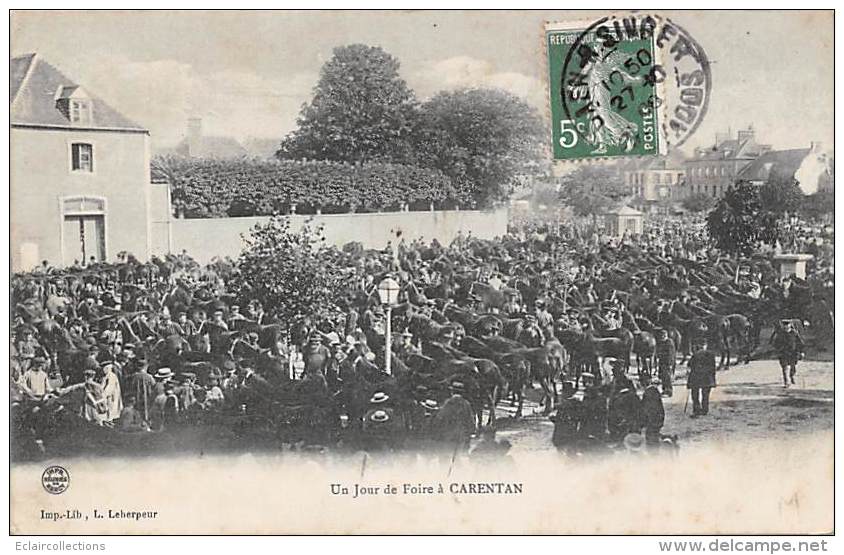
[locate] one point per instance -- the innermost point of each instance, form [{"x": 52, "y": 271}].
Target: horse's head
[{"x": 489, "y": 325}]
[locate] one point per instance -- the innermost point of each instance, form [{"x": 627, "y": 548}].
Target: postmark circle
[
  {"x": 635, "y": 85},
  {"x": 55, "y": 479}
]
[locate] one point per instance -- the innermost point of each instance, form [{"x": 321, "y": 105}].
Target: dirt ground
[{"x": 749, "y": 403}]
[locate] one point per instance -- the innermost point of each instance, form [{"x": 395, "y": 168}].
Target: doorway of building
[{"x": 84, "y": 238}]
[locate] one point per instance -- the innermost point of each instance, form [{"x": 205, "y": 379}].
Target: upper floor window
[
  {"x": 82, "y": 157},
  {"x": 80, "y": 111}
]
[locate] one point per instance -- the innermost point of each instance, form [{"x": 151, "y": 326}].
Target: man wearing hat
[
  {"x": 454, "y": 423},
  {"x": 789, "y": 346},
  {"x": 27, "y": 347},
  {"x": 594, "y": 421},
  {"x": 316, "y": 356},
  {"x": 447, "y": 336},
  {"x": 666, "y": 359},
  {"x": 94, "y": 408},
  {"x": 567, "y": 419},
  {"x": 701, "y": 378},
  {"x": 383, "y": 426},
  {"x": 653, "y": 411},
  {"x": 186, "y": 390},
  {"x": 214, "y": 393},
  {"x": 543, "y": 317},
  {"x": 624, "y": 412},
  {"x": 131, "y": 420},
  {"x": 406, "y": 348},
  {"x": 141, "y": 385},
  {"x": 531, "y": 335},
  {"x": 35, "y": 380},
  {"x": 111, "y": 392}
]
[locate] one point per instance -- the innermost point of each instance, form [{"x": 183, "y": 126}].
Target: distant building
[
  {"x": 198, "y": 145},
  {"x": 80, "y": 181},
  {"x": 810, "y": 167},
  {"x": 257, "y": 147},
  {"x": 712, "y": 170},
  {"x": 653, "y": 181}
]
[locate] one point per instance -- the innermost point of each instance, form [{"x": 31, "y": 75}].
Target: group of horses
[{"x": 470, "y": 310}]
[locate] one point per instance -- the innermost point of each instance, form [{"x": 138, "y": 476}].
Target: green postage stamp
[{"x": 620, "y": 87}]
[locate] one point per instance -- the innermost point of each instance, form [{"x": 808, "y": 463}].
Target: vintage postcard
[{"x": 421, "y": 272}]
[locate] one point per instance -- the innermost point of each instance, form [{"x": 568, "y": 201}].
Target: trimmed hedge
[{"x": 206, "y": 188}]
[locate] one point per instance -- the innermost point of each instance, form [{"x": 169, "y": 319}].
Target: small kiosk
[
  {"x": 793, "y": 264},
  {"x": 624, "y": 219}
]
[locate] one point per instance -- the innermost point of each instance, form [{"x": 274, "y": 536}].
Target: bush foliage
[
  {"x": 291, "y": 272},
  {"x": 219, "y": 188}
]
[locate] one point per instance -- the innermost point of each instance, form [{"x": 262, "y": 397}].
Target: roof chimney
[
  {"x": 745, "y": 134},
  {"x": 194, "y": 135}
]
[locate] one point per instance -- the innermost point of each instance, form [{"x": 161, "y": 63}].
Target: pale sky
[{"x": 247, "y": 74}]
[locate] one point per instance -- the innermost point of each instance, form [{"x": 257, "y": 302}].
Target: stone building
[
  {"x": 712, "y": 170},
  {"x": 80, "y": 181}
]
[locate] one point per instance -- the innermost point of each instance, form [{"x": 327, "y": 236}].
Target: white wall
[{"x": 204, "y": 239}]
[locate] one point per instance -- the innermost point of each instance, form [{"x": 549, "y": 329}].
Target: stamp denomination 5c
[{"x": 632, "y": 86}]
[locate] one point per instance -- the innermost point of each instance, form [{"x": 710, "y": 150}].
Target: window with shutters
[{"x": 82, "y": 157}]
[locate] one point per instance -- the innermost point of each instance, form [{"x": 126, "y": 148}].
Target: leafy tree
[
  {"x": 698, "y": 202},
  {"x": 738, "y": 223},
  {"x": 289, "y": 272},
  {"x": 481, "y": 138},
  {"x": 817, "y": 205},
  {"x": 780, "y": 194},
  {"x": 590, "y": 190},
  {"x": 361, "y": 110}
]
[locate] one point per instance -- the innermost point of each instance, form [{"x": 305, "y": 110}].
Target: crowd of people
[{"x": 477, "y": 321}]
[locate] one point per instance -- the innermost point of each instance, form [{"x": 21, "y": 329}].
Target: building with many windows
[
  {"x": 80, "y": 180},
  {"x": 655, "y": 181},
  {"x": 712, "y": 170}
]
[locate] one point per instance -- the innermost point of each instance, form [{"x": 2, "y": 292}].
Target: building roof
[
  {"x": 743, "y": 147},
  {"x": 18, "y": 68},
  {"x": 211, "y": 147},
  {"x": 34, "y": 88},
  {"x": 624, "y": 211},
  {"x": 779, "y": 163}
]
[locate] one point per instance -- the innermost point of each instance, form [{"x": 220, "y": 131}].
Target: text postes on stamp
[{"x": 630, "y": 86}]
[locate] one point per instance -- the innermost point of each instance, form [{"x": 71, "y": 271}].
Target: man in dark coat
[
  {"x": 666, "y": 359},
  {"x": 454, "y": 423},
  {"x": 567, "y": 419},
  {"x": 701, "y": 379},
  {"x": 624, "y": 414},
  {"x": 316, "y": 355},
  {"x": 594, "y": 422},
  {"x": 653, "y": 412},
  {"x": 790, "y": 347}
]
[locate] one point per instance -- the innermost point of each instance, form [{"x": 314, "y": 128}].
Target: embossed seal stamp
[{"x": 55, "y": 479}]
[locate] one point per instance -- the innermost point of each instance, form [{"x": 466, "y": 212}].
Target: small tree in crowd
[
  {"x": 289, "y": 272},
  {"x": 739, "y": 222},
  {"x": 590, "y": 190}
]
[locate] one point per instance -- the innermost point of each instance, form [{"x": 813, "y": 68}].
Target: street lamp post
[{"x": 388, "y": 291}]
